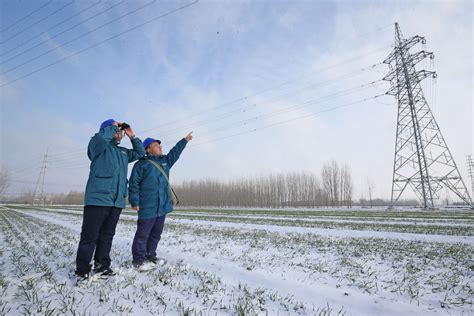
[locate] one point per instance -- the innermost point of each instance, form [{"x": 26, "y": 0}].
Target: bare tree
[
  {"x": 330, "y": 175},
  {"x": 346, "y": 180}
]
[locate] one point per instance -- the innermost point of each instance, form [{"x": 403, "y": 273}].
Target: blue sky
[{"x": 214, "y": 64}]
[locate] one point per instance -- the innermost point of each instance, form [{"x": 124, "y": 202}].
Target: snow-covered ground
[{"x": 245, "y": 263}]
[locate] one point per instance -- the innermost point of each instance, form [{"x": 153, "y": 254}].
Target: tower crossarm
[
  {"x": 404, "y": 45},
  {"x": 417, "y": 57}
]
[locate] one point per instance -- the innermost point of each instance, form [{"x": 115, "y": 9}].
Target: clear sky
[{"x": 237, "y": 73}]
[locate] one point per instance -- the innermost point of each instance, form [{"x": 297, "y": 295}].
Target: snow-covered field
[{"x": 245, "y": 262}]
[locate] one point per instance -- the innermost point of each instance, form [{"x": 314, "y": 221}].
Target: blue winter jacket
[
  {"x": 148, "y": 188},
  {"x": 107, "y": 183}
]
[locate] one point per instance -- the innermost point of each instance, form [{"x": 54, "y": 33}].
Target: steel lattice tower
[
  {"x": 39, "y": 190},
  {"x": 422, "y": 157},
  {"x": 470, "y": 171}
]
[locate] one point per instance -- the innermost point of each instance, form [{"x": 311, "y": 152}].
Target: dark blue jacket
[
  {"x": 107, "y": 183},
  {"x": 148, "y": 187}
]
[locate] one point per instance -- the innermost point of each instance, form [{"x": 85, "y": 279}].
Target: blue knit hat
[
  {"x": 150, "y": 140},
  {"x": 107, "y": 123}
]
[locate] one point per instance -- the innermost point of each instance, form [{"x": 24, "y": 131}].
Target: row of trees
[
  {"x": 71, "y": 198},
  {"x": 333, "y": 187},
  {"x": 298, "y": 189}
]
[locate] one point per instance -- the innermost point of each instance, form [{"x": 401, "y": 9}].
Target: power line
[
  {"x": 22, "y": 170},
  {"x": 26, "y": 16},
  {"x": 257, "y": 93},
  {"x": 63, "y": 161},
  {"x": 75, "y": 167},
  {"x": 60, "y": 160},
  {"x": 86, "y": 162},
  {"x": 74, "y": 163},
  {"x": 68, "y": 153},
  {"x": 37, "y": 22},
  {"x": 100, "y": 42},
  {"x": 291, "y": 108},
  {"x": 62, "y": 32},
  {"x": 74, "y": 152},
  {"x": 291, "y": 120},
  {"x": 65, "y": 156},
  {"x": 78, "y": 37},
  {"x": 273, "y": 113},
  {"x": 272, "y": 100},
  {"x": 49, "y": 29},
  {"x": 280, "y": 122},
  {"x": 275, "y": 86},
  {"x": 48, "y": 184}
]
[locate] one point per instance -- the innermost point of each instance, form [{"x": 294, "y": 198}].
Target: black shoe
[
  {"x": 103, "y": 270},
  {"x": 81, "y": 276},
  {"x": 98, "y": 267},
  {"x": 107, "y": 272}
]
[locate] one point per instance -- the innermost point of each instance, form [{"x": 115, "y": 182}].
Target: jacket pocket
[{"x": 103, "y": 183}]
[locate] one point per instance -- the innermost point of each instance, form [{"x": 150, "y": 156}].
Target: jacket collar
[{"x": 152, "y": 157}]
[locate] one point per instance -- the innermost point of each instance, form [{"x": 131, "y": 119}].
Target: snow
[
  {"x": 219, "y": 267},
  {"x": 288, "y": 229}
]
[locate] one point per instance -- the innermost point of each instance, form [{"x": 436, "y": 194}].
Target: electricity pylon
[
  {"x": 39, "y": 197},
  {"x": 422, "y": 157},
  {"x": 470, "y": 171}
]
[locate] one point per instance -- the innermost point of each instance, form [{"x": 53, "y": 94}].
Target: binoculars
[{"x": 123, "y": 126}]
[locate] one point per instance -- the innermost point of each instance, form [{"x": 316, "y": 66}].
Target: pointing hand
[{"x": 189, "y": 136}]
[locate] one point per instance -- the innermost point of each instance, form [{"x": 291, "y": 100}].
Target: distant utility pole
[
  {"x": 39, "y": 197},
  {"x": 470, "y": 170},
  {"x": 422, "y": 157}
]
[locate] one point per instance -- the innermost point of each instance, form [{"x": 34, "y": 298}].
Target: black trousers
[{"x": 98, "y": 230}]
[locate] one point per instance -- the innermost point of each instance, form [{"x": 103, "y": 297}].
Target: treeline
[
  {"x": 71, "y": 198},
  {"x": 333, "y": 187}
]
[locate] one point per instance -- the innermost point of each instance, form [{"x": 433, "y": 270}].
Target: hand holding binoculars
[{"x": 123, "y": 126}]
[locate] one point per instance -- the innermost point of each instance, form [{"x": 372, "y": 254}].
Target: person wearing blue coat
[
  {"x": 151, "y": 196},
  {"x": 105, "y": 195}
]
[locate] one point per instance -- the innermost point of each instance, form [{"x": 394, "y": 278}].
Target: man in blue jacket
[
  {"x": 150, "y": 194},
  {"x": 105, "y": 195}
]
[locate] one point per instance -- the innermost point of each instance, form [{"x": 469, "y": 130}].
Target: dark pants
[
  {"x": 98, "y": 230},
  {"x": 146, "y": 238}
]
